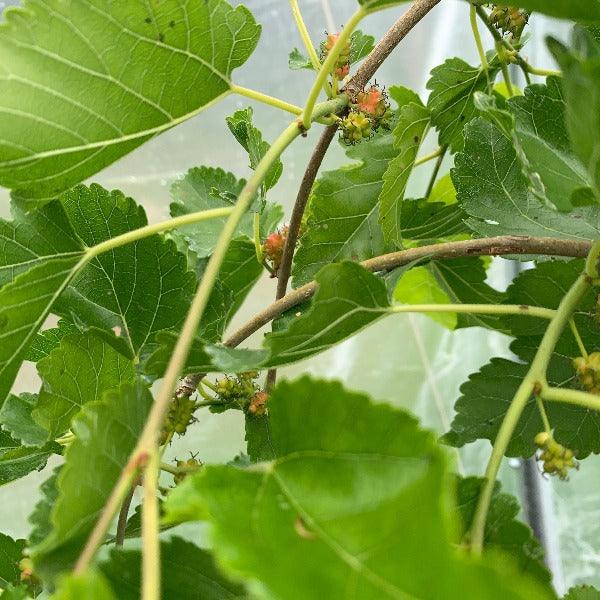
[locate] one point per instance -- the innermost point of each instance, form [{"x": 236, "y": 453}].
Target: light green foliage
[
  {"x": 411, "y": 128},
  {"x": 90, "y": 585},
  {"x": 97, "y": 79},
  {"x": 541, "y": 131},
  {"x": 494, "y": 192},
  {"x": 186, "y": 569},
  {"x": 487, "y": 394},
  {"x": 78, "y": 371},
  {"x": 329, "y": 441},
  {"x": 106, "y": 433},
  {"x": 451, "y": 103}
]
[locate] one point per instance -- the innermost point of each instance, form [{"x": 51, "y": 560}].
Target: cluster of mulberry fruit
[
  {"x": 556, "y": 459},
  {"x": 509, "y": 19}
]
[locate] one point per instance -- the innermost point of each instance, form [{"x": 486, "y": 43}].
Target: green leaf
[
  {"x": 580, "y": 10},
  {"x": 250, "y": 138},
  {"x": 360, "y": 46},
  {"x": 542, "y": 133},
  {"x": 413, "y": 122},
  {"x": 35, "y": 237},
  {"x": 24, "y": 305},
  {"x": 298, "y": 61},
  {"x": 343, "y": 218},
  {"x": 348, "y": 299},
  {"x": 452, "y": 86},
  {"x": 502, "y": 530},
  {"x": 443, "y": 191},
  {"x": 459, "y": 281},
  {"x": 40, "y": 517},
  {"x": 106, "y": 433},
  {"x": 17, "y": 460},
  {"x": 89, "y": 585},
  {"x": 494, "y": 192},
  {"x": 78, "y": 371},
  {"x": 187, "y": 572},
  {"x": 134, "y": 290},
  {"x": 205, "y": 188},
  {"x": 429, "y": 221},
  {"x": 581, "y": 85},
  {"x": 356, "y": 497},
  {"x": 45, "y": 341},
  {"x": 583, "y": 592},
  {"x": 258, "y": 438},
  {"x": 486, "y": 396},
  {"x": 11, "y": 553},
  {"x": 419, "y": 286},
  {"x": 16, "y": 593},
  {"x": 15, "y": 418},
  {"x": 96, "y": 80}
]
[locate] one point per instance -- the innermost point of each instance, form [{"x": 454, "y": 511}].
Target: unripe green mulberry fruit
[
  {"x": 179, "y": 418},
  {"x": 355, "y": 127},
  {"x": 556, "y": 459},
  {"x": 588, "y": 372},
  {"x": 509, "y": 19}
]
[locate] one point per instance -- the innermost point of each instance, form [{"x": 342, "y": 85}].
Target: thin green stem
[
  {"x": 266, "y": 99},
  {"x": 144, "y": 232},
  {"x": 328, "y": 67},
  {"x": 577, "y": 397},
  {"x": 310, "y": 48},
  {"x": 503, "y": 438},
  {"x": 435, "y": 172},
  {"x": 543, "y": 413},
  {"x": 151, "y": 530},
  {"x": 578, "y": 339},
  {"x": 178, "y": 470},
  {"x": 541, "y": 72},
  {"x": 147, "y": 443},
  {"x": 505, "y": 73},
  {"x": 534, "y": 381},
  {"x": 129, "y": 474},
  {"x": 476, "y": 309},
  {"x": 482, "y": 57},
  {"x": 431, "y": 156},
  {"x": 257, "y": 240}
]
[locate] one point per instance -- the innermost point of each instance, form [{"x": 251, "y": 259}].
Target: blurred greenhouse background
[{"x": 408, "y": 361}]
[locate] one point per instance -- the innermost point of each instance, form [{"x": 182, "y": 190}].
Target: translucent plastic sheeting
[{"x": 408, "y": 361}]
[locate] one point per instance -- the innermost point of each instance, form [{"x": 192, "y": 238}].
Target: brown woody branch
[
  {"x": 494, "y": 246},
  {"x": 355, "y": 85}
]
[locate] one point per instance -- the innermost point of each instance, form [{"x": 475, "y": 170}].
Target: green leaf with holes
[
  {"x": 106, "y": 433},
  {"x": 357, "y": 497},
  {"x": 98, "y": 79}
]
